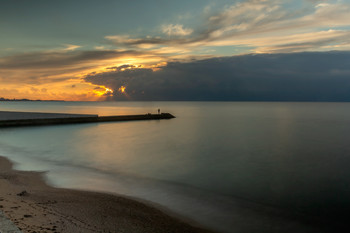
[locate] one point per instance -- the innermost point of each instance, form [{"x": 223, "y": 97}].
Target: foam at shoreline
[
  {"x": 222, "y": 213},
  {"x": 34, "y": 206}
]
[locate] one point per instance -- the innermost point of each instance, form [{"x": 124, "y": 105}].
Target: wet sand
[{"x": 34, "y": 206}]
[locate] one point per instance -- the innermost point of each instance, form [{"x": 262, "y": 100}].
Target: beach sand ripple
[{"x": 34, "y": 206}]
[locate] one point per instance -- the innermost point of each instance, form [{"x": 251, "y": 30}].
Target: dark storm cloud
[{"x": 317, "y": 76}]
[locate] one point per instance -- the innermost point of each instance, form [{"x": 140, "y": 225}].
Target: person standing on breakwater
[{"x": 158, "y": 110}]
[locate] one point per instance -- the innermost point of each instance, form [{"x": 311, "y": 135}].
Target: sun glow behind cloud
[
  {"x": 102, "y": 91},
  {"x": 40, "y": 79},
  {"x": 122, "y": 89},
  {"x": 247, "y": 26}
]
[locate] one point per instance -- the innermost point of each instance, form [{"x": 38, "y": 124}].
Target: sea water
[{"x": 217, "y": 163}]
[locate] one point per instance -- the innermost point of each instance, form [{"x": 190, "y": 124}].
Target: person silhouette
[{"x": 158, "y": 110}]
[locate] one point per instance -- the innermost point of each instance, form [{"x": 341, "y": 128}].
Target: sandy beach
[{"x": 34, "y": 206}]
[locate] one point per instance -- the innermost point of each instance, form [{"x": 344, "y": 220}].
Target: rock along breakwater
[{"x": 13, "y": 119}]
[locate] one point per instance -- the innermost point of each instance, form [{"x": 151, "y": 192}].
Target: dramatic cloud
[
  {"x": 56, "y": 72},
  {"x": 182, "y": 55},
  {"x": 176, "y": 30},
  {"x": 41, "y": 66},
  {"x": 261, "y": 26},
  {"x": 71, "y": 47},
  {"x": 282, "y": 77},
  {"x": 59, "y": 59}
]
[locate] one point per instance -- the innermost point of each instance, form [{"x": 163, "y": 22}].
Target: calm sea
[{"x": 227, "y": 165}]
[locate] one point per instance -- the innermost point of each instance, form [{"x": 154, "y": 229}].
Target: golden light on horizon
[{"x": 71, "y": 84}]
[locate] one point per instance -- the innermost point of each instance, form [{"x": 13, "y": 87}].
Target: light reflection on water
[{"x": 292, "y": 155}]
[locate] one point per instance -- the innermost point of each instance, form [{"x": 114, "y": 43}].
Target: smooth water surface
[{"x": 288, "y": 155}]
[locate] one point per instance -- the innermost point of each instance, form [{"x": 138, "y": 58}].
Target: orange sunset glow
[
  {"x": 54, "y": 59},
  {"x": 197, "y": 116}
]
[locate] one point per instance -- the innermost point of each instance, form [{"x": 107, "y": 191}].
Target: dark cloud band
[{"x": 318, "y": 76}]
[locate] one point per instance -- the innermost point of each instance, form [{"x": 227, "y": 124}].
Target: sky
[{"x": 258, "y": 50}]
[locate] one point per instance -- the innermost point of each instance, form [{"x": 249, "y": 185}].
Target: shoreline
[{"x": 32, "y": 205}]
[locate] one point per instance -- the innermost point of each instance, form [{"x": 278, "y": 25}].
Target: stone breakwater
[{"x": 12, "y": 119}]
